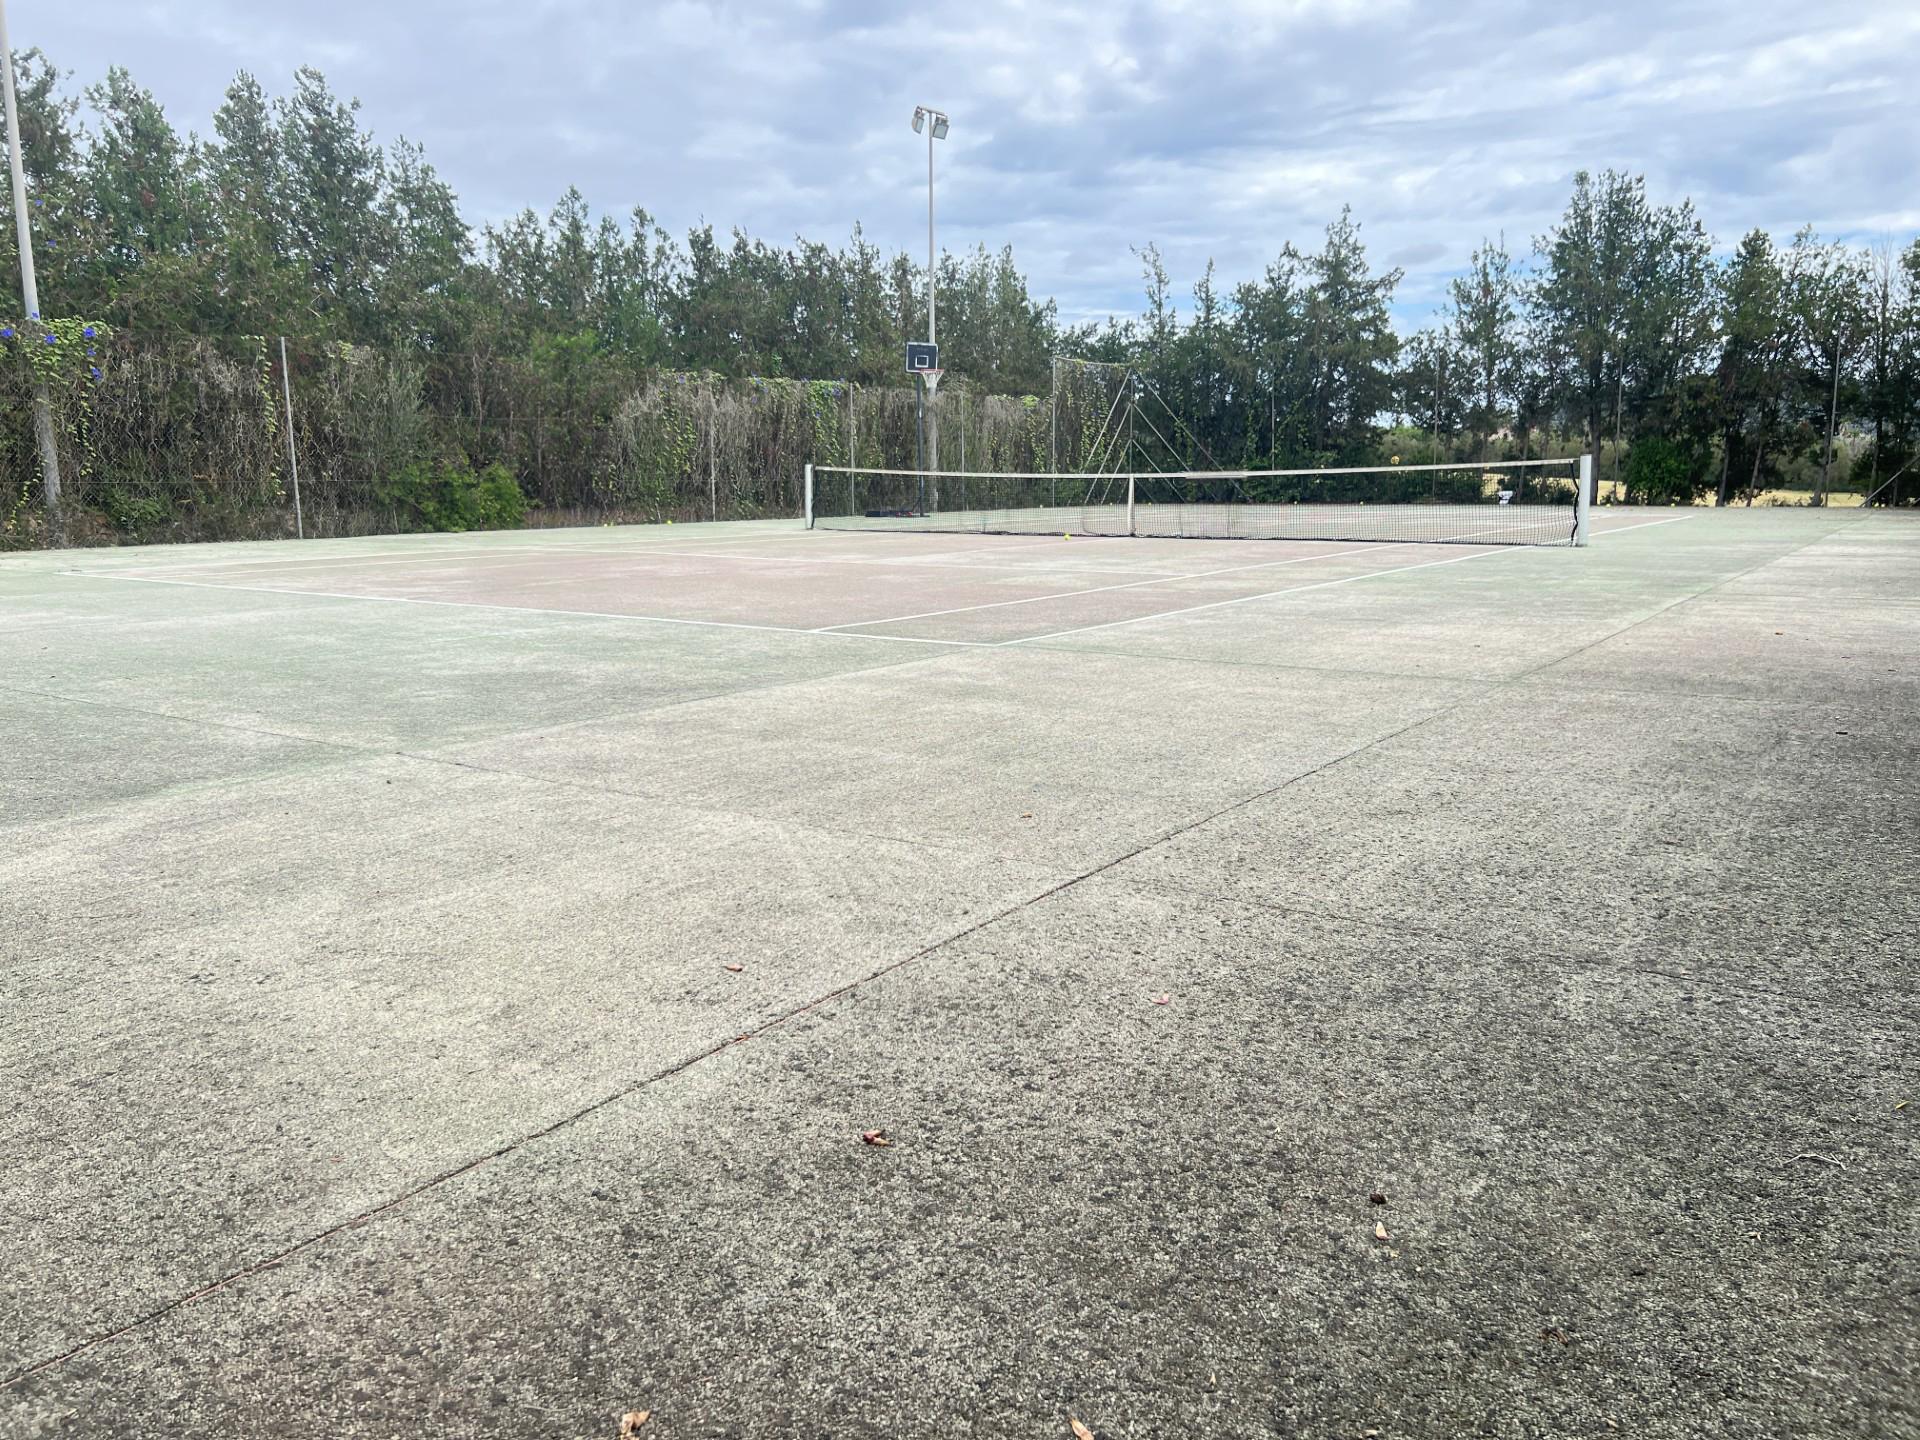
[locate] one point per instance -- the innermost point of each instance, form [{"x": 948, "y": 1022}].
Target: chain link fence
[{"x": 188, "y": 439}]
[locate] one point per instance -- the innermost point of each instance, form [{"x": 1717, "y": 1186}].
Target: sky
[{"x": 1084, "y": 130}]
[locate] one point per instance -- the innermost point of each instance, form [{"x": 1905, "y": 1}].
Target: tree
[
  {"x": 1830, "y": 308},
  {"x": 254, "y": 287},
  {"x": 1671, "y": 336},
  {"x": 1756, "y": 331},
  {"x": 1623, "y": 300},
  {"x": 1269, "y": 318},
  {"x": 333, "y": 179},
  {"x": 1485, "y": 325},
  {"x": 50, "y": 140},
  {"x": 1434, "y": 396},
  {"x": 429, "y": 249},
  {"x": 1348, "y": 343},
  {"x": 52, "y": 154}
]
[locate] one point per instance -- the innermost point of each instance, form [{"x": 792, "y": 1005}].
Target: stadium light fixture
[{"x": 935, "y": 124}]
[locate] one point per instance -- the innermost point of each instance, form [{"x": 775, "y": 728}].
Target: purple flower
[
  {"x": 89, "y": 352},
  {"x": 33, "y": 315},
  {"x": 89, "y": 332},
  {"x": 96, "y": 372},
  {"x": 51, "y": 339},
  {"x": 6, "y": 332}
]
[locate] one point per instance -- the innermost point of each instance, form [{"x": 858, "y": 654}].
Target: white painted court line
[
  {"x": 296, "y": 562},
  {"x": 515, "y": 609},
  {"x": 1327, "y": 584},
  {"x": 1641, "y": 525},
  {"x": 1096, "y": 590},
  {"x": 844, "y": 632},
  {"x": 570, "y": 546},
  {"x": 1269, "y": 594},
  {"x": 594, "y": 550},
  {"x": 904, "y": 562}
]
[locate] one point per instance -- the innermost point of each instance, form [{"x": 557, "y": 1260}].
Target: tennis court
[{"x": 835, "y": 983}]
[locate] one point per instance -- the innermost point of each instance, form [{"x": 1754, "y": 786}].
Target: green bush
[
  {"x": 498, "y": 501},
  {"x": 1659, "y": 472},
  {"x": 134, "y": 515},
  {"x": 452, "y": 497}
]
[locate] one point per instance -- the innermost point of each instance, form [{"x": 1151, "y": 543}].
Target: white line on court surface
[
  {"x": 638, "y": 550},
  {"x": 1639, "y": 525},
  {"x": 516, "y": 609},
  {"x": 838, "y": 633},
  {"x": 1266, "y": 595},
  {"x": 597, "y": 545},
  {"x": 1322, "y": 584},
  {"x": 898, "y": 562},
  {"x": 303, "y": 562},
  {"x": 1097, "y": 589}
]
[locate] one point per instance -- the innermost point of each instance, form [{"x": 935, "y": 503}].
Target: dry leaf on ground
[
  {"x": 1080, "y": 1432},
  {"x": 1380, "y": 1230},
  {"x": 633, "y": 1420},
  {"x": 736, "y": 969},
  {"x": 875, "y": 1137}
]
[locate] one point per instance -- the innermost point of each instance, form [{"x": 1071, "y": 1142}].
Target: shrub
[
  {"x": 134, "y": 515},
  {"x": 451, "y": 497},
  {"x": 1659, "y": 472},
  {"x": 499, "y": 503}
]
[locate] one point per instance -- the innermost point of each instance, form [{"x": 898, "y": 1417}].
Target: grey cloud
[{"x": 1080, "y": 131}]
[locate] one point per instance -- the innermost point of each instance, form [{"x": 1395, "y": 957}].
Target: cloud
[{"x": 1217, "y": 131}]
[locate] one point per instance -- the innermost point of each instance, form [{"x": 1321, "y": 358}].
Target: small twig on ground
[{"x": 1823, "y": 1159}]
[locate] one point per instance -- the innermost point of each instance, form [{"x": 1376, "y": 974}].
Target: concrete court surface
[{"x": 448, "y": 979}]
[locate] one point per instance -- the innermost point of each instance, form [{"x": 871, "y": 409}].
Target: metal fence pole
[{"x": 293, "y": 460}]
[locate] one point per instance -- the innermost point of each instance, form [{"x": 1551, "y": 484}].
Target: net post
[
  {"x": 1583, "y": 500},
  {"x": 1130, "y": 498},
  {"x": 808, "y": 503}
]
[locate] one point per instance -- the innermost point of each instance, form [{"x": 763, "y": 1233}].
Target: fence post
[
  {"x": 293, "y": 460},
  {"x": 713, "y": 452},
  {"x": 807, "y": 511}
]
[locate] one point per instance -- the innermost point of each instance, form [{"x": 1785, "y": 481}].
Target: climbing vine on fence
[
  {"x": 269, "y": 406},
  {"x": 63, "y": 356}
]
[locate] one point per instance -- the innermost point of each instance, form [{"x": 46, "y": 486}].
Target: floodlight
[
  {"x": 919, "y": 119},
  {"x": 939, "y": 127}
]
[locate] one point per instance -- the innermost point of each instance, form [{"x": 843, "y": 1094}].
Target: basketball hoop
[{"x": 932, "y": 377}]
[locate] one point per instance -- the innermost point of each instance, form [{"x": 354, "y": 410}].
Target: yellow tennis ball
[{"x": 1396, "y": 459}]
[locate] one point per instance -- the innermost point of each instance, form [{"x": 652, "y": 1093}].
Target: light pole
[
  {"x": 29, "y": 290},
  {"x": 934, "y": 122}
]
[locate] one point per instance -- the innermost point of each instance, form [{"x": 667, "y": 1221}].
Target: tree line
[{"x": 1623, "y": 330}]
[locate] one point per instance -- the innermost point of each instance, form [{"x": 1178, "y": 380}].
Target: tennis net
[{"x": 1516, "y": 502}]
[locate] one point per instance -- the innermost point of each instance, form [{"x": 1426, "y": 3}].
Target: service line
[
  {"x": 1098, "y": 589},
  {"x": 513, "y": 609}
]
